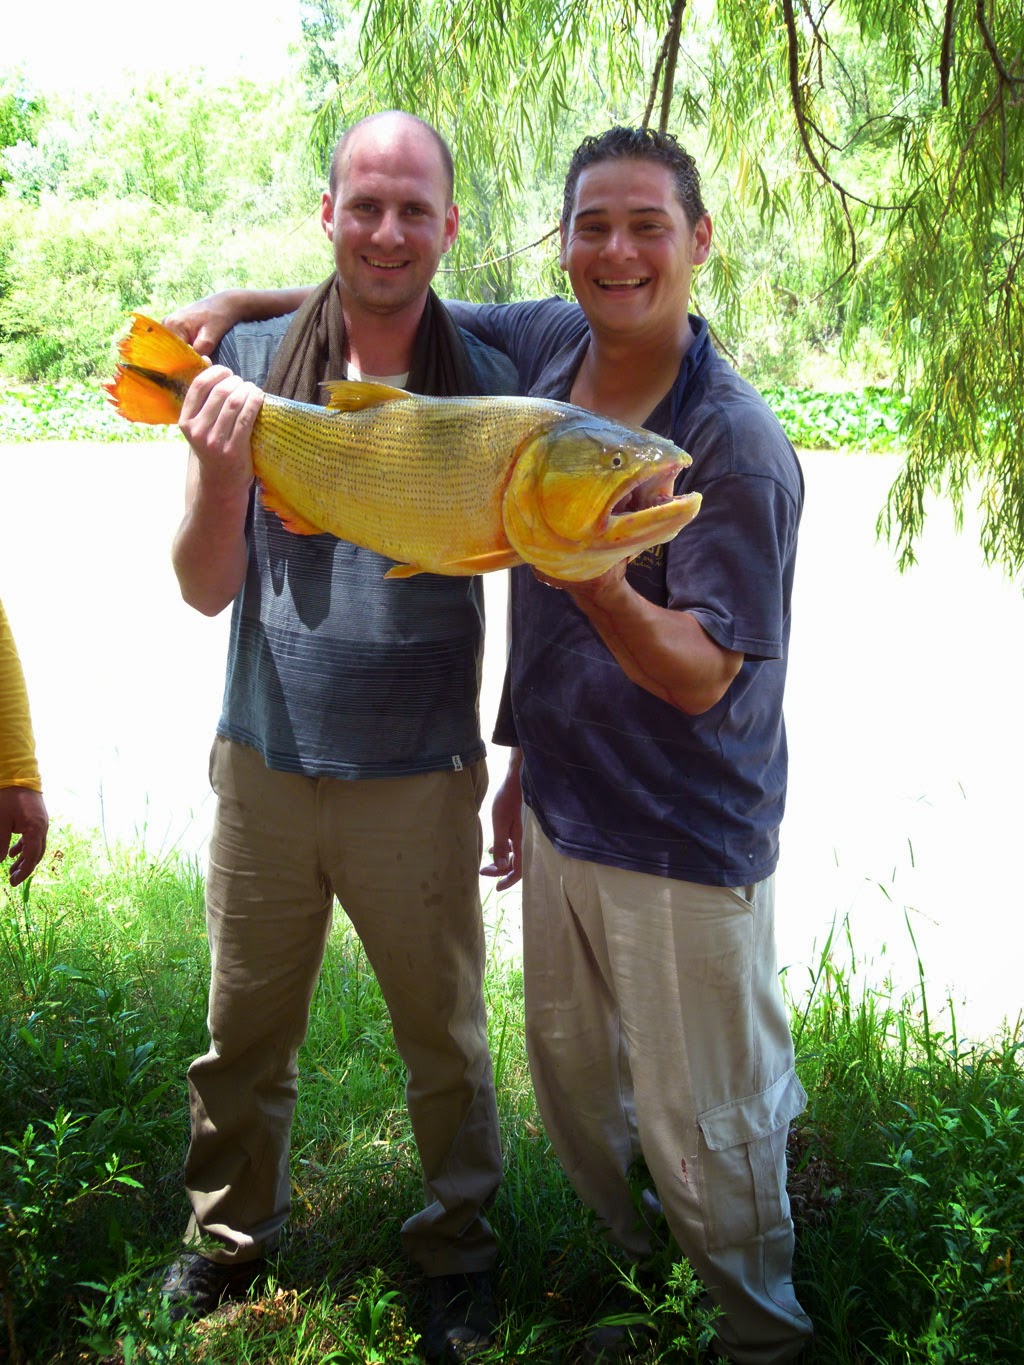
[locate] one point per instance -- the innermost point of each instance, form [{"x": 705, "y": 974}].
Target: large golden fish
[{"x": 441, "y": 485}]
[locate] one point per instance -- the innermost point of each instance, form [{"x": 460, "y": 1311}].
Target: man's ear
[
  {"x": 561, "y": 243},
  {"x": 327, "y": 215},
  {"x": 451, "y": 226},
  {"x": 702, "y": 239}
]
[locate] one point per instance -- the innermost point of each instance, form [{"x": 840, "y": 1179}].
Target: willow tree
[{"x": 895, "y": 127}]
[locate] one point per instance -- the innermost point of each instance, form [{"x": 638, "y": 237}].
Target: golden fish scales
[
  {"x": 414, "y": 477},
  {"x": 440, "y": 485}
]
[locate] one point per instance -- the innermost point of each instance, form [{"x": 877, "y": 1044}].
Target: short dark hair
[
  {"x": 447, "y": 163},
  {"x": 637, "y": 144}
]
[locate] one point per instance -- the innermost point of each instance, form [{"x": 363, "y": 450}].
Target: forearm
[
  {"x": 18, "y": 767},
  {"x": 209, "y": 553},
  {"x": 666, "y": 652},
  {"x": 204, "y": 323},
  {"x": 256, "y": 305},
  {"x": 506, "y": 848}
]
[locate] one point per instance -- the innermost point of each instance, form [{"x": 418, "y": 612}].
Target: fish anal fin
[
  {"x": 349, "y": 395},
  {"x": 289, "y": 518}
]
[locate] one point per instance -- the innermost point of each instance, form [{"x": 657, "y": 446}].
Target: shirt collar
[{"x": 556, "y": 379}]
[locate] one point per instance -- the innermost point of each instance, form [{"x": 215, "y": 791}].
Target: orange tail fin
[{"x": 154, "y": 373}]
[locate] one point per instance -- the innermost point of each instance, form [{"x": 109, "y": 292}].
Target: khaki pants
[
  {"x": 402, "y": 855},
  {"x": 656, "y": 1027}
]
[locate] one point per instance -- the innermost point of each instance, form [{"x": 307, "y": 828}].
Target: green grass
[
  {"x": 906, "y": 1180},
  {"x": 865, "y": 419}
]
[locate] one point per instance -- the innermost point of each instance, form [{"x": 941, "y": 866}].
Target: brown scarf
[{"x": 313, "y": 349}]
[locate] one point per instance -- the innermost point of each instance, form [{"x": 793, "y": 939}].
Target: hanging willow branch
[
  {"x": 946, "y": 60},
  {"x": 802, "y": 123},
  {"x": 668, "y": 84},
  {"x": 666, "y": 63},
  {"x": 496, "y": 260},
  {"x": 1005, "y": 76}
]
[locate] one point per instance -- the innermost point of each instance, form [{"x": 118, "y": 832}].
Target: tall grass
[{"x": 906, "y": 1181}]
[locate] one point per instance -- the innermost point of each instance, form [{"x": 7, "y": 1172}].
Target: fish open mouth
[{"x": 653, "y": 491}]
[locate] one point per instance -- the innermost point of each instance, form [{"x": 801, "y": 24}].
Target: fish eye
[{"x": 616, "y": 461}]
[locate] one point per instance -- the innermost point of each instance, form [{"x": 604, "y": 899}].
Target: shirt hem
[
  {"x": 703, "y": 875},
  {"x": 354, "y": 772}
]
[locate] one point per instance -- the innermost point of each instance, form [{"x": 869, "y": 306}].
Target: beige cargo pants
[
  {"x": 656, "y": 1027},
  {"x": 403, "y": 856}
]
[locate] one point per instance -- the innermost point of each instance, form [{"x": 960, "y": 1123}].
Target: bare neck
[
  {"x": 627, "y": 381},
  {"x": 381, "y": 343}
]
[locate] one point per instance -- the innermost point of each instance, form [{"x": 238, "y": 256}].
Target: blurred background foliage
[{"x": 863, "y": 161}]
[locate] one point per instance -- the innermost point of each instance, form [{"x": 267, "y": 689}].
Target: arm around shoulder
[{"x": 203, "y": 323}]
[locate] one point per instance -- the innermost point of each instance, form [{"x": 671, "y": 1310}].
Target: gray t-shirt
[{"x": 332, "y": 670}]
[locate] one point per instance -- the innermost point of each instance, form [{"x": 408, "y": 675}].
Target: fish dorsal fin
[{"x": 349, "y": 395}]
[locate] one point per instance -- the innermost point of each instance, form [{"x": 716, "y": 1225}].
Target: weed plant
[
  {"x": 864, "y": 419},
  {"x": 906, "y": 1170},
  {"x": 868, "y": 418},
  {"x": 65, "y": 410}
]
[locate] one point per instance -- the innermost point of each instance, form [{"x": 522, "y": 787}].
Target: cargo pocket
[{"x": 742, "y": 1154}]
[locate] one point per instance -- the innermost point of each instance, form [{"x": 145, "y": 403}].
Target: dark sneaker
[
  {"x": 608, "y": 1343},
  {"x": 622, "y": 1333},
  {"x": 195, "y": 1286},
  {"x": 462, "y": 1316}
]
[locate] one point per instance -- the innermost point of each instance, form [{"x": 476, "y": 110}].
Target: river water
[{"x": 906, "y": 732}]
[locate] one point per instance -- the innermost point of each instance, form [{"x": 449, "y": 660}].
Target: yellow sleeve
[{"x": 18, "y": 767}]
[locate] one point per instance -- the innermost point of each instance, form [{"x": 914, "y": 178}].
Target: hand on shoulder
[{"x": 203, "y": 323}]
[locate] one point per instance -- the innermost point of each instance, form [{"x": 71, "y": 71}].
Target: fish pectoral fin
[
  {"x": 455, "y": 568},
  {"x": 349, "y": 395},
  {"x": 486, "y": 563},
  {"x": 289, "y": 518}
]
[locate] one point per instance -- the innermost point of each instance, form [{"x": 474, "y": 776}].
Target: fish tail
[{"x": 153, "y": 374}]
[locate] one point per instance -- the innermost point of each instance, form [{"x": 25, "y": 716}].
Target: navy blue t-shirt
[{"x": 614, "y": 774}]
